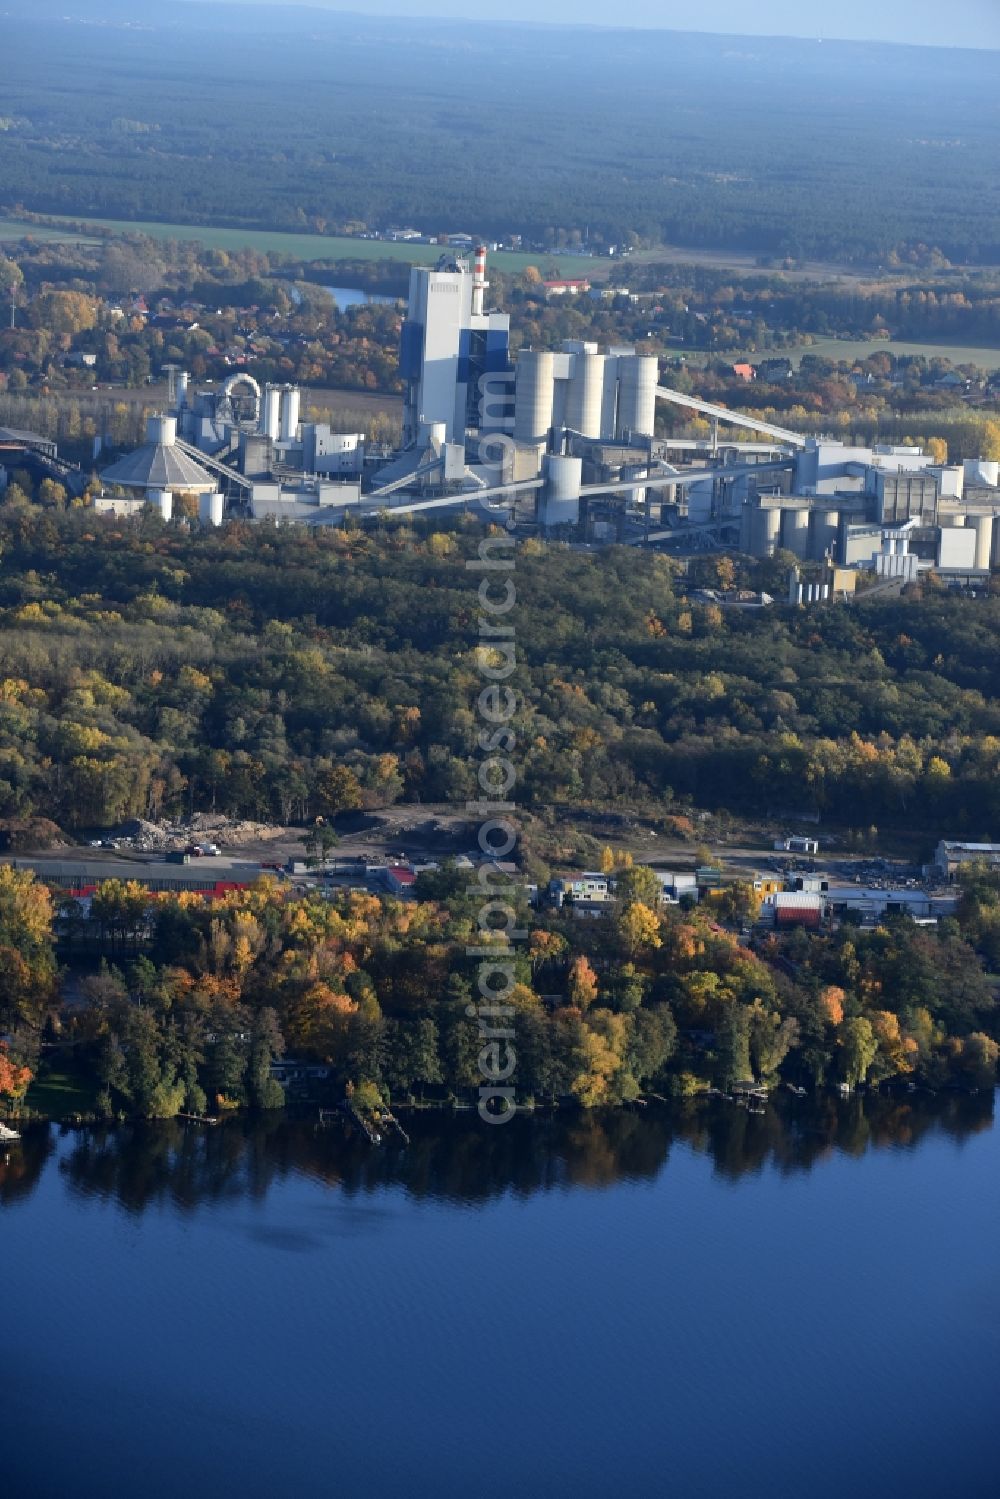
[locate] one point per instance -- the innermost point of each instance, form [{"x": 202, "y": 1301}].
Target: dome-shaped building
[{"x": 161, "y": 469}]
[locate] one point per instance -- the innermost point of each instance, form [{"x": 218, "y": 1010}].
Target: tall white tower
[{"x": 448, "y": 344}]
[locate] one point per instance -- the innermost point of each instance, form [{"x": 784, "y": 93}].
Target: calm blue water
[
  {"x": 349, "y": 296},
  {"x": 801, "y": 1304}
]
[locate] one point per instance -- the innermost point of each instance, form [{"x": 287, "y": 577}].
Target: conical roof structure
[{"x": 160, "y": 463}]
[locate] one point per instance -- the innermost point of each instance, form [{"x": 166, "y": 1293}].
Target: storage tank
[
  {"x": 534, "y": 396},
  {"x": 795, "y": 531},
  {"x": 271, "y": 413},
  {"x": 638, "y": 377},
  {"x": 609, "y": 399},
  {"x": 585, "y": 395},
  {"x": 161, "y": 430},
  {"x": 163, "y": 501},
  {"x": 561, "y": 496},
  {"x": 826, "y": 530},
  {"x": 210, "y": 508},
  {"x": 290, "y": 399},
  {"x": 983, "y": 525},
  {"x": 766, "y": 532}
]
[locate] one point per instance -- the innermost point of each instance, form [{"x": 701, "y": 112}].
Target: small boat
[{"x": 8, "y": 1136}]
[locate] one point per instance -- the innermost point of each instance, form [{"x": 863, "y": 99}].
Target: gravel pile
[{"x": 208, "y": 827}]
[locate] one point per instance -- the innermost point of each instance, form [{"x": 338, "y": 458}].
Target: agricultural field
[
  {"x": 306, "y": 247},
  {"x": 851, "y": 349},
  {"x": 12, "y": 231}
]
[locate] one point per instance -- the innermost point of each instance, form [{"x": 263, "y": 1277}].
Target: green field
[
  {"x": 12, "y": 230},
  {"x": 851, "y": 349},
  {"x": 305, "y": 246}
]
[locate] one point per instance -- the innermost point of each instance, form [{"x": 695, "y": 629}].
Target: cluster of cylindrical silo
[
  {"x": 595, "y": 395},
  {"x": 804, "y": 530},
  {"x": 279, "y": 419}
]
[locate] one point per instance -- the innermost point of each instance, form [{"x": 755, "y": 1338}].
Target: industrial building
[
  {"x": 564, "y": 439},
  {"x": 158, "y": 472},
  {"x": 449, "y": 343},
  {"x": 39, "y": 457},
  {"x": 950, "y": 857}
]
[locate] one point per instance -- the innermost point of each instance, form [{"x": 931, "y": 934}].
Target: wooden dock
[{"x": 368, "y": 1127}]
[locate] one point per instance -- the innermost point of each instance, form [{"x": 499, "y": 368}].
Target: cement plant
[{"x": 561, "y": 441}]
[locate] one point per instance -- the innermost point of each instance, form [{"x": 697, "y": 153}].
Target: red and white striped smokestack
[{"x": 479, "y": 282}]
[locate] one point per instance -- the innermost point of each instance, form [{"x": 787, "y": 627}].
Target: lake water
[
  {"x": 693, "y": 1304},
  {"x": 349, "y": 296}
]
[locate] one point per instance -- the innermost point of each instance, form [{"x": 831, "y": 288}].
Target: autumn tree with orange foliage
[{"x": 14, "y": 1080}]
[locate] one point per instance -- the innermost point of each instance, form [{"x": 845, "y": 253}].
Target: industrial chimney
[{"x": 479, "y": 282}]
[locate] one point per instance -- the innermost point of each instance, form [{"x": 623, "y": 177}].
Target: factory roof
[
  {"x": 14, "y": 437},
  {"x": 158, "y": 466}
]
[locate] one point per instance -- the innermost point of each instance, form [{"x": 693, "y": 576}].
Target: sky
[{"x": 960, "y": 23}]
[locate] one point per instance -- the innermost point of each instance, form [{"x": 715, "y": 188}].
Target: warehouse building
[{"x": 951, "y": 857}]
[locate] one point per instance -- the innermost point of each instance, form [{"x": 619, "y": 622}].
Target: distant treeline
[{"x": 579, "y": 139}]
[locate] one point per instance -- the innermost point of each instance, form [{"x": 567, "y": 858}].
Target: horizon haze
[{"x": 965, "y": 23}]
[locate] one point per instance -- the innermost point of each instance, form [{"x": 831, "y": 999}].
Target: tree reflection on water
[{"x": 462, "y": 1160}]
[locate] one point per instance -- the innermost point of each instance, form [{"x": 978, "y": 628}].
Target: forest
[
  {"x": 150, "y": 669},
  {"x": 297, "y": 119}
]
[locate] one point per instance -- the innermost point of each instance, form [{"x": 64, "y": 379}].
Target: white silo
[
  {"x": 560, "y": 504},
  {"x": 984, "y": 541},
  {"x": 826, "y": 532},
  {"x": 609, "y": 399},
  {"x": 290, "y": 400},
  {"x": 163, "y": 501},
  {"x": 795, "y": 530},
  {"x": 765, "y": 534},
  {"x": 161, "y": 430},
  {"x": 210, "y": 509},
  {"x": 638, "y": 377},
  {"x": 585, "y": 395},
  {"x": 534, "y": 395},
  {"x": 271, "y": 413}
]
